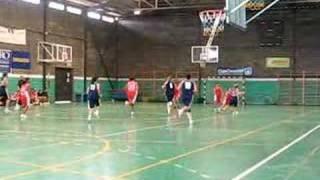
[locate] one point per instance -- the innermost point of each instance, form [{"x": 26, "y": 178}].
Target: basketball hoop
[
  {"x": 208, "y": 19},
  {"x": 255, "y": 5}
]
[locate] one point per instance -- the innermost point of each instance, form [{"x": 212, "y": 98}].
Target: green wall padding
[{"x": 258, "y": 91}]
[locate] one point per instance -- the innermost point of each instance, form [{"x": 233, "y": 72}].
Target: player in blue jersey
[
  {"x": 187, "y": 88},
  {"x": 94, "y": 94},
  {"x": 169, "y": 88}
]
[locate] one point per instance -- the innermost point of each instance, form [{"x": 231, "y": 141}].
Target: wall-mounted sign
[
  {"x": 278, "y": 62},
  {"x": 21, "y": 60},
  {"x": 246, "y": 71},
  {"x": 13, "y": 36},
  {"x": 5, "y": 60}
]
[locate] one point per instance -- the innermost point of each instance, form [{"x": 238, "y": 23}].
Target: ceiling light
[
  {"x": 74, "y": 10},
  {"x": 32, "y": 1},
  {"x": 108, "y": 19},
  {"x": 94, "y": 15},
  {"x": 137, "y": 12},
  {"x": 114, "y": 14},
  {"x": 57, "y": 6}
]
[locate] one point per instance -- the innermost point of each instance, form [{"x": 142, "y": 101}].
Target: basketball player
[
  {"x": 218, "y": 94},
  {"x": 24, "y": 97},
  {"x": 4, "y": 91},
  {"x": 177, "y": 94},
  {"x": 169, "y": 88},
  {"x": 235, "y": 92},
  {"x": 94, "y": 94},
  {"x": 132, "y": 90},
  {"x": 20, "y": 82},
  {"x": 188, "y": 88},
  {"x": 227, "y": 100}
]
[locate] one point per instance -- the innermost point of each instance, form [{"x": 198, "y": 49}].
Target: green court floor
[{"x": 57, "y": 142}]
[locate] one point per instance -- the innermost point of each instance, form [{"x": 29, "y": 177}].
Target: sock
[
  {"x": 189, "y": 117},
  {"x": 96, "y": 113},
  {"x": 169, "y": 108},
  {"x": 180, "y": 112},
  {"x": 90, "y": 115}
]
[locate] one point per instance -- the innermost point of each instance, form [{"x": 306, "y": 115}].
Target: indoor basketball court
[{"x": 159, "y": 89}]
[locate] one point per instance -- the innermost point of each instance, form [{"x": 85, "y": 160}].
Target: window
[
  {"x": 57, "y": 6},
  {"x": 32, "y": 1},
  {"x": 74, "y": 10},
  {"x": 94, "y": 15},
  {"x": 108, "y": 19}
]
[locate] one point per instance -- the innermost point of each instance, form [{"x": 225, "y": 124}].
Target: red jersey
[
  {"x": 24, "y": 97},
  {"x": 25, "y": 89},
  {"x": 132, "y": 91},
  {"x": 228, "y": 97},
  {"x": 132, "y": 87},
  {"x": 176, "y": 93},
  {"x": 218, "y": 91}
]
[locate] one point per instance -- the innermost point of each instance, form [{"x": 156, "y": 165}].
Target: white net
[{"x": 208, "y": 18}]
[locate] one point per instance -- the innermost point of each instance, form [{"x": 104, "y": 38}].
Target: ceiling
[{"x": 126, "y": 7}]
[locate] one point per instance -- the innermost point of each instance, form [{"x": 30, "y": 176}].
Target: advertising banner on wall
[
  {"x": 246, "y": 71},
  {"x": 278, "y": 62},
  {"x": 5, "y": 60},
  {"x": 13, "y": 36},
  {"x": 21, "y": 60}
]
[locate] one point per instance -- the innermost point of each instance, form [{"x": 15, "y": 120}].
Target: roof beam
[{"x": 168, "y": 2}]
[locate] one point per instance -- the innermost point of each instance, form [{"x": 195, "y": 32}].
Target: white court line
[
  {"x": 191, "y": 170},
  {"x": 178, "y": 165},
  {"x": 150, "y": 157},
  {"x": 146, "y": 119},
  {"x": 205, "y": 176},
  {"x": 150, "y": 127},
  {"x": 275, "y": 154}
]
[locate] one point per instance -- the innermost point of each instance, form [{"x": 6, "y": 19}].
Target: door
[{"x": 63, "y": 84}]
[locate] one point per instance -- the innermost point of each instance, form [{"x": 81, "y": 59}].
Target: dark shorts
[
  {"x": 169, "y": 97},
  {"x": 234, "y": 101},
  {"x": 94, "y": 103},
  {"x": 3, "y": 94},
  {"x": 187, "y": 101}
]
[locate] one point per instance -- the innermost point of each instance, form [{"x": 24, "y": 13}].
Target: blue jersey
[
  {"x": 93, "y": 91},
  {"x": 187, "y": 89},
  {"x": 170, "y": 87}
]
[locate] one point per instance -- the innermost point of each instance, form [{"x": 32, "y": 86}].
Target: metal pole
[
  {"x": 303, "y": 87},
  {"x": 294, "y": 41},
  {"x": 85, "y": 53},
  {"x": 44, "y": 68},
  {"x": 199, "y": 82},
  {"x": 317, "y": 94},
  {"x": 117, "y": 49},
  {"x": 294, "y": 47}
]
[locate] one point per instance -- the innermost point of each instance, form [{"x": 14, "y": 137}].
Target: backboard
[
  {"x": 236, "y": 13},
  {"x": 205, "y": 54},
  {"x": 54, "y": 53}
]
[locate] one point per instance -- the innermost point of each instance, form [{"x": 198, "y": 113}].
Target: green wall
[
  {"x": 36, "y": 83},
  {"x": 258, "y": 91}
]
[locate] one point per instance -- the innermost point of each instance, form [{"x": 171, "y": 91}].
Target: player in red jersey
[
  {"x": 132, "y": 90},
  {"x": 227, "y": 100},
  {"x": 218, "y": 94},
  {"x": 24, "y": 97},
  {"x": 177, "y": 95}
]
